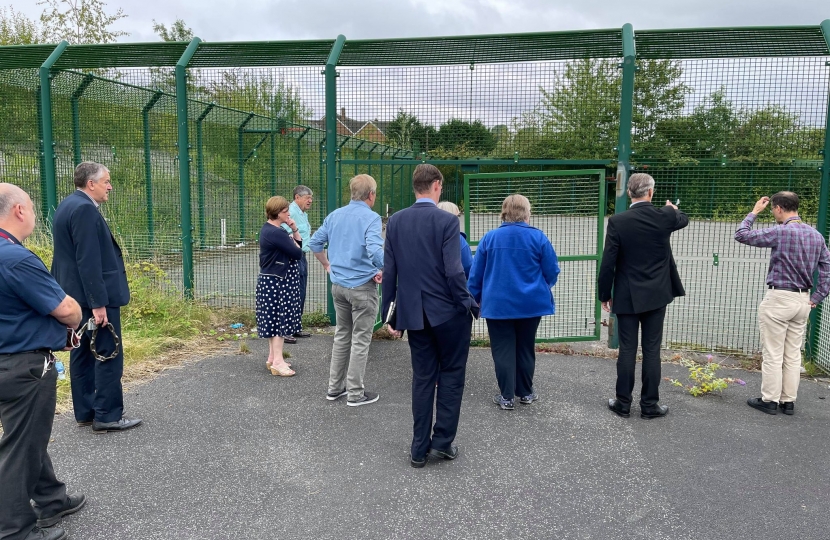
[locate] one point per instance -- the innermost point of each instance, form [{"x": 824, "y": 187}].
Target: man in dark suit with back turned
[
  {"x": 422, "y": 274},
  {"x": 638, "y": 263},
  {"x": 89, "y": 266}
]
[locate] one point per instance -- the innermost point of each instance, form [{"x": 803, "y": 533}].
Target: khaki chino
[{"x": 782, "y": 320}]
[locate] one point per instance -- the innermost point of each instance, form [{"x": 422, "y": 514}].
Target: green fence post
[
  {"x": 321, "y": 148},
  {"x": 76, "y": 117},
  {"x": 340, "y": 171},
  {"x": 184, "y": 165},
  {"x": 48, "y": 145},
  {"x": 822, "y": 221},
  {"x": 44, "y": 204},
  {"x": 148, "y": 163},
  {"x": 331, "y": 138},
  {"x": 273, "y": 162},
  {"x": 241, "y": 183},
  {"x": 200, "y": 173},
  {"x": 299, "y": 156},
  {"x": 629, "y": 69},
  {"x": 383, "y": 210},
  {"x": 356, "y": 148}
]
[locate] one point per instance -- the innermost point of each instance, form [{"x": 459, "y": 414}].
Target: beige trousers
[{"x": 782, "y": 319}]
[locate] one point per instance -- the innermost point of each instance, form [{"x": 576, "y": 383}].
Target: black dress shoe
[
  {"x": 120, "y": 425},
  {"x": 787, "y": 407},
  {"x": 655, "y": 411},
  {"x": 290, "y": 340},
  {"x": 85, "y": 423},
  {"x": 41, "y": 534},
  {"x": 302, "y": 334},
  {"x": 417, "y": 463},
  {"x": 452, "y": 453},
  {"x": 769, "y": 407},
  {"x": 76, "y": 502},
  {"x": 618, "y": 408}
]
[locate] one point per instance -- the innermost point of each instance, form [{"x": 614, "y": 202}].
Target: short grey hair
[
  {"x": 10, "y": 195},
  {"x": 450, "y": 207},
  {"x": 361, "y": 186},
  {"x": 302, "y": 191},
  {"x": 639, "y": 184},
  {"x": 515, "y": 208},
  {"x": 86, "y": 171}
]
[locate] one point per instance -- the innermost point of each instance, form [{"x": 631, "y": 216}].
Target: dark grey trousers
[{"x": 27, "y": 409}]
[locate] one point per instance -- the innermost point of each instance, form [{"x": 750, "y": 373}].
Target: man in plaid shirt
[{"x": 798, "y": 250}]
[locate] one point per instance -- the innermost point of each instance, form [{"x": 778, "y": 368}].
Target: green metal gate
[{"x": 569, "y": 206}]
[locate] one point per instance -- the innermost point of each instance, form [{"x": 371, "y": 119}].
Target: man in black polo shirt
[{"x": 33, "y": 322}]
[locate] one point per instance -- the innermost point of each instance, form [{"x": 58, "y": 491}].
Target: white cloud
[{"x": 244, "y": 20}]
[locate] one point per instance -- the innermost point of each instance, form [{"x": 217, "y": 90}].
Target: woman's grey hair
[
  {"x": 86, "y": 171},
  {"x": 361, "y": 186},
  {"x": 450, "y": 207},
  {"x": 302, "y": 191},
  {"x": 639, "y": 184},
  {"x": 515, "y": 208}
]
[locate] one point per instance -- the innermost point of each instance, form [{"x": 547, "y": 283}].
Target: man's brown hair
[
  {"x": 787, "y": 200},
  {"x": 423, "y": 177}
]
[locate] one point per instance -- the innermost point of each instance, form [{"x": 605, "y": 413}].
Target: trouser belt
[
  {"x": 788, "y": 289},
  {"x": 35, "y": 351}
]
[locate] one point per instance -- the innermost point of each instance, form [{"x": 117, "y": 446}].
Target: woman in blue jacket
[
  {"x": 466, "y": 252},
  {"x": 513, "y": 271},
  {"x": 278, "y": 287}
]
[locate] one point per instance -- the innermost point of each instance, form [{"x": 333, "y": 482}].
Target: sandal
[
  {"x": 282, "y": 371},
  {"x": 268, "y": 364}
]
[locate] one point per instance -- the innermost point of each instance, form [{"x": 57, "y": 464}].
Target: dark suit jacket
[
  {"x": 637, "y": 260},
  {"x": 87, "y": 261},
  {"x": 422, "y": 269}
]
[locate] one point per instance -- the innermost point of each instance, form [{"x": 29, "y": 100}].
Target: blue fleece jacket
[{"x": 513, "y": 271}]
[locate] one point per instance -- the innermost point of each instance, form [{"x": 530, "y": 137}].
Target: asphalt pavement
[{"x": 229, "y": 451}]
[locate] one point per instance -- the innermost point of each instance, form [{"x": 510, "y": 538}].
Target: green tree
[
  {"x": 17, "y": 29},
  {"x": 178, "y": 31},
  {"x": 80, "y": 21},
  {"x": 401, "y": 130},
  {"x": 579, "y": 116},
  {"x": 165, "y": 78},
  {"x": 460, "y": 137},
  {"x": 265, "y": 95}
]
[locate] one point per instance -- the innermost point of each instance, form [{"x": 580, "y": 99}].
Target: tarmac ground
[{"x": 229, "y": 451}]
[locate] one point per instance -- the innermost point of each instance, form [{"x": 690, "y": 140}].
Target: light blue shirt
[
  {"x": 355, "y": 244},
  {"x": 301, "y": 220}
]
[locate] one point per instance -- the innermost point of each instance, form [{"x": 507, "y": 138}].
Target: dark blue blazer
[
  {"x": 87, "y": 262},
  {"x": 422, "y": 269}
]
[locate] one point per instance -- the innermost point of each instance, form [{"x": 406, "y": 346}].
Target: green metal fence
[{"x": 198, "y": 135}]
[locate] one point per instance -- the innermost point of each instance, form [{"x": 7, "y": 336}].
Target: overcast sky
[{"x": 246, "y": 20}]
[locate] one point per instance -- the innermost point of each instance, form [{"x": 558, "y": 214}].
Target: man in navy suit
[
  {"x": 89, "y": 266},
  {"x": 423, "y": 275},
  {"x": 638, "y": 265}
]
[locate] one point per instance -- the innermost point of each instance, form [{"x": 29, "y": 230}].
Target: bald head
[
  {"x": 10, "y": 195},
  {"x": 16, "y": 211}
]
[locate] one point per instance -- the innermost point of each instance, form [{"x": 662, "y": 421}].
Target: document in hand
[{"x": 390, "y": 316}]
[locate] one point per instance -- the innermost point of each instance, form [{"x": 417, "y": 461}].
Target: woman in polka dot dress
[{"x": 278, "y": 288}]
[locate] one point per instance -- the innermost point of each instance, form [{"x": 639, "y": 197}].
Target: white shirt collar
[{"x": 90, "y": 197}]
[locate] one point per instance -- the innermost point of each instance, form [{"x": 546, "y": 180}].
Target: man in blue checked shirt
[
  {"x": 798, "y": 250},
  {"x": 354, "y": 264}
]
